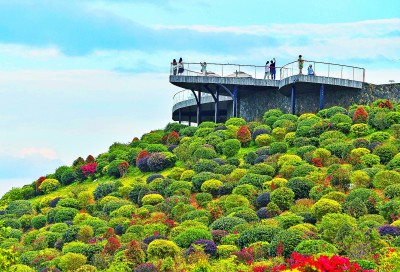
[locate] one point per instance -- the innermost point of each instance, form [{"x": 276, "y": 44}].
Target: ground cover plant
[{"x": 315, "y": 192}]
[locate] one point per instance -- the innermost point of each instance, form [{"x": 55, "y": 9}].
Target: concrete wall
[{"x": 252, "y": 105}]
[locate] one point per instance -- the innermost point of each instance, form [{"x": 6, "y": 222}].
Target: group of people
[
  {"x": 310, "y": 70},
  {"x": 270, "y": 69},
  {"x": 177, "y": 67}
]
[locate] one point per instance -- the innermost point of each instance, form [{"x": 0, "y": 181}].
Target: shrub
[
  {"x": 152, "y": 199},
  {"x": 369, "y": 197},
  {"x": 359, "y": 130},
  {"x": 277, "y": 147},
  {"x": 392, "y": 191},
  {"x": 187, "y": 175},
  {"x": 390, "y": 210},
  {"x": 389, "y": 230},
  {"x": 208, "y": 246},
  {"x": 39, "y": 221},
  {"x": 235, "y": 121},
  {"x": 231, "y": 147},
  {"x": 68, "y": 203},
  {"x": 287, "y": 220},
  {"x": 263, "y": 140},
  {"x": 233, "y": 161},
  {"x": 157, "y": 162},
  {"x": 244, "y": 136},
  {"x": 360, "y": 115},
  {"x": 260, "y": 131},
  {"x": 65, "y": 214},
  {"x": 199, "y": 178},
  {"x": 263, "y": 199},
  {"x": 300, "y": 186},
  {"x": 380, "y": 136},
  {"x": 370, "y": 160},
  {"x": 49, "y": 185},
  {"x": 284, "y": 243},
  {"x": 204, "y": 153},
  {"x": 360, "y": 179},
  {"x": 71, "y": 261},
  {"x": 134, "y": 253},
  {"x": 331, "y": 224},
  {"x": 355, "y": 208},
  {"x": 361, "y": 143},
  {"x": 386, "y": 152},
  {"x": 257, "y": 234},
  {"x": 227, "y": 223},
  {"x": 385, "y": 178},
  {"x": 204, "y": 165},
  {"x": 311, "y": 247},
  {"x": 185, "y": 238},
  {"x": 211, "y": 186},
  {"x": 283, "y": 197},
  {"x": 104, "y": 189},
  {"x": 232, "y": 201},
  {"x": 325, "y": 206}
]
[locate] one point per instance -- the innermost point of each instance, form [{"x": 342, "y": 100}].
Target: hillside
[{"x": 315, "y": 192}]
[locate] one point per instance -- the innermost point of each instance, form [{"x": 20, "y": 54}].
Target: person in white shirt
[{"x": 267, "y": 71}]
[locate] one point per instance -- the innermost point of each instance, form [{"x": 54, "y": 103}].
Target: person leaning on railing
[
  {"x": 204, "y": 68},
  {"x": 180, "y": 67},
  {"x": 174, "y": 66}
]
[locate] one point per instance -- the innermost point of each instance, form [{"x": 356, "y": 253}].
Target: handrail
[
  {"x": 187, "y": 94},
  {"x": 327, "y": 72},
  {"x": 249, "y": 70}
]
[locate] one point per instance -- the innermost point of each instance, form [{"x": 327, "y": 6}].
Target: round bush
[
  {"x": 205, "y": 165},
  {"x": 263, "y": 199},
  {"x": 49, "y": 185},
  {"x": 359, "y": 130},
  {"x": 152, "y": 199},
  {"x": 231, "y": 147},
  {"x": 312, "y": 247},
  {"x": 360, "y": 179},
  {"x": 71, "y": 261},
  {"x": 104, "y": 189},
  {"x": 331, "y": 224},
  {"x": 39, "y": 221},
  {"x": 227, "y": 223},
  {"x": 325, "y": 206},
  {"x": 185, "y": 238},
  {"x": 233, "y": 201},
  {"x": 235, "y": 121},
  {"x": 385, "y": 152},
  {"x": 263, "y": 140},
  {"x": 300, "y": 186},
  {"x": 161, "y": 249},
  {"x": 286, "y": 239},
  {"x": 208, "y": 246},
  {"x": 392, "y": 191},
  {"x": 68, "y": 203},
  {"x": 277, "y": 147},
  {"x": 283, "y": 197},
  {"x": 211, "y": 186},
  {"x": 385, "y": 178},
  {"x": 257, "y": 234},
  {"x": 204, "y": 153},
  {"x": 65, "y": 214}
]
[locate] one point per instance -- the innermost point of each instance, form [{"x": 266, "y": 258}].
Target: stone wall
[{"x": 252, "y": 105}]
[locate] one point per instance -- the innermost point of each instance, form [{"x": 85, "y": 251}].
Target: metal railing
[
  {"x": 324, "y": 69},
  {"x": 224, "y": 70},
  {"x": 185, "y": 95}
]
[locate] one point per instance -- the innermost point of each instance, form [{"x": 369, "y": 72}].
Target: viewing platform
[{"x": 233, "y": 90}]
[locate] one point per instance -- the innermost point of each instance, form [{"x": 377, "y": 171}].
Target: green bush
[
  {"x": 235, "y": 121},
  {"x": 325, "y": 206},
  {"x": 186, "y": 238},
  {"x": 380, "y": 136},
  {"x": 68, "y": 203},
  {"x": 152, "y": 199},
  {"x": 283, "y": 197},
  {"x": 204, "y": 165},
  {"x": 178, "y": 186},
  {"x": 368, "y": 196},
  {"x": 386, "y": 152},
  {"x": 392, "y": 191},
  {"x": 233, "y": 201},
  {"x": 286, "y": 239},
  {"x": 71, "y": 261},
  {"x": 277, "y": 147},
  {"x": 39, "y": 221},
  {"x": 257, "y": 234},
  {"x": 279, "y": 133},
  {"x": 104, "y": 189},
  {"x": 204, "y": 153},
  {"x": 370, "y": 160},
  {"x": 312, "y": 247},
  {"x": 187, "y": 175},
  {"x": 287, "y": 220},
  {"x": 300, "y": 186},
  {"x": 390, "y": 210},
  {"x": 332, "y": 222},
  {"x": 198, "y": 179},
  {"x": 113, "y": 168},
  {"x": 359, "y": 130},
  {"x": 224, "y": 251},
  {"x": 263, "y": 140},
  {"x": 19, "y": 207},
  {"x": 360, "y": 179},
  {"x": 161, "y": 249},
  {"x": 176, "y": 173},
  {"x": 385, "y": 178},
  {"x": 231, "y": 147},
  {"x": 49, "y": 185},
  {"x": 262, "y": 169},
  {"x": 203, "y": 198},
  {"x": 227, "y": 223},
  {"x": 65, "y": 214},
  {"x": 211, "y": 186},
  {"x": 355, "y": 208},
  {"x": 154, "y": 137},
  {"x": 58, "y": 227}
]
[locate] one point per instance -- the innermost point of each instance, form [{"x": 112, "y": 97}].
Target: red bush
[
  {"x": 89, "y": 169},
  {"x": 123, "y": 168},
  {"x": 134, "y": 253},
  {"x": 112, "y": 245},
  {"x": 173, "y": 138},
  {"x": 360, "y": 116},
  {"x": 39, "y": 182},
  {"x": 244, "y": 136},
  {"x": 90, "y": 159},
  {"x": 387, "y": 104}
]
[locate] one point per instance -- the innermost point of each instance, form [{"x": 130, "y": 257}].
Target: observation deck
[{"x": 233, "y": 90}]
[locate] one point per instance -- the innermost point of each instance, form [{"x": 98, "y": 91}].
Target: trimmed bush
[
  {"x": 71, "y": 261},
  {"x": 104, "y": 189},
  {"x": 263, "y": 140},
  {"x": 331, "y": 224},
  {"x": 283, "y": 197},
  {"x": 244, "y": 136},
  {"x": 392, "y": 191},
  {"x": 211, "y": 186},
  {"x": 39, "y": 221},
  {"x": 205, "y": 165},
  {"x": 285, "y": 241},
  {"x": 325, "y": 206},
  {"x": 312, "y": 247},
  {"x": 152, "y": 199},
  {"x": 233, "y": 201},
  {"x": 161, "y": 249},
  {"x": 300, "y": 186},
  {"x": 204, "y": 153},
  {"x": 235, "y": 121},
  {"x": 257, "y": 234},
  {"x": 65, "y": 214},
  {"x": 185, "y": 238},
  {"x": 49, "y": 185},
  {"x": 227, "y": 223},
  {"x": 231, "y": 147},
  {"x": 385, "y": 178}
]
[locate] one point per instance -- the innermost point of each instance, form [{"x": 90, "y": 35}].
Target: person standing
[
  {"x": 273, "y": 69},
  {"x": 267, "y": 72},
  {"x": 310, "y": 71},
  {"x": 174, "y": 66},
  {"x": 300, "y": 61},
  {"x": 180, "y": 67},
  {"x": 204, "y": 68}
]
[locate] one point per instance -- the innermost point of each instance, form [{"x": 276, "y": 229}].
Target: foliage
[
  {"x": 231, "y": 147},
  {"x": 283, "y": 197}
]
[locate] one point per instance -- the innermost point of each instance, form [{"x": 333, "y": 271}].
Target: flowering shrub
[
  {"x": 112, "y": 245},
  {"x": 89, "y": 169},
  {"x": 39, "y": 182},
  {"x": 134, "y": 253},
  {"x": 389, "y": 230},
  {"x": 173, "y": 138},
  {"x": 142, "y": 154},
  {"x": 244, "y": 136}
]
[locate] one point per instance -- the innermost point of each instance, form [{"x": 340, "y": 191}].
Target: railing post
[
  {"x": 353, "y": 73},
  {"x": 341, "y": 73},
  {"x": 293, "y": 97},
  {"x": 363, "y": 75},
  {"x": 222, "y": 70},
  {"x": 329, "y": 66},
  {"x": 235, "y": 101},
  {"x": 255, "y": 72},
  {"x": 321, "y": 97}
]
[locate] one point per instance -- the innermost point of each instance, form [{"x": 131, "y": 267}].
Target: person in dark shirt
[{"x": 273, "y": 69}]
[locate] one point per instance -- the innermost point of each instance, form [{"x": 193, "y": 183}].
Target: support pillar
[
  {"x": 190, "y": 120},
  {"x": 321, "y": 97},
  {"x": 216, "y": 106},
  {"x": 179, "y": 116},
  {"x": 198, "y": 108},
  {"x": 235, "y": 91},
  {"x": 293, "y": 97}
]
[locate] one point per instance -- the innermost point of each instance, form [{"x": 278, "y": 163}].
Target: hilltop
[{"x": 318, "y": 190}]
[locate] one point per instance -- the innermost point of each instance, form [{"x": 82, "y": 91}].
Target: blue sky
[{"x": 76, "y": 76}]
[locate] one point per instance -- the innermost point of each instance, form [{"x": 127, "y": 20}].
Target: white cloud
[{"x": 47, "y": 153}]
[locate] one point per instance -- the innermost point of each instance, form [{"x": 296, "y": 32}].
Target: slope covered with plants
[{"x": 316, "y": 192}]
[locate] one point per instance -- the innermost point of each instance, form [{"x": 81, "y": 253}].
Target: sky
[{"x": 79, "y": 75}]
